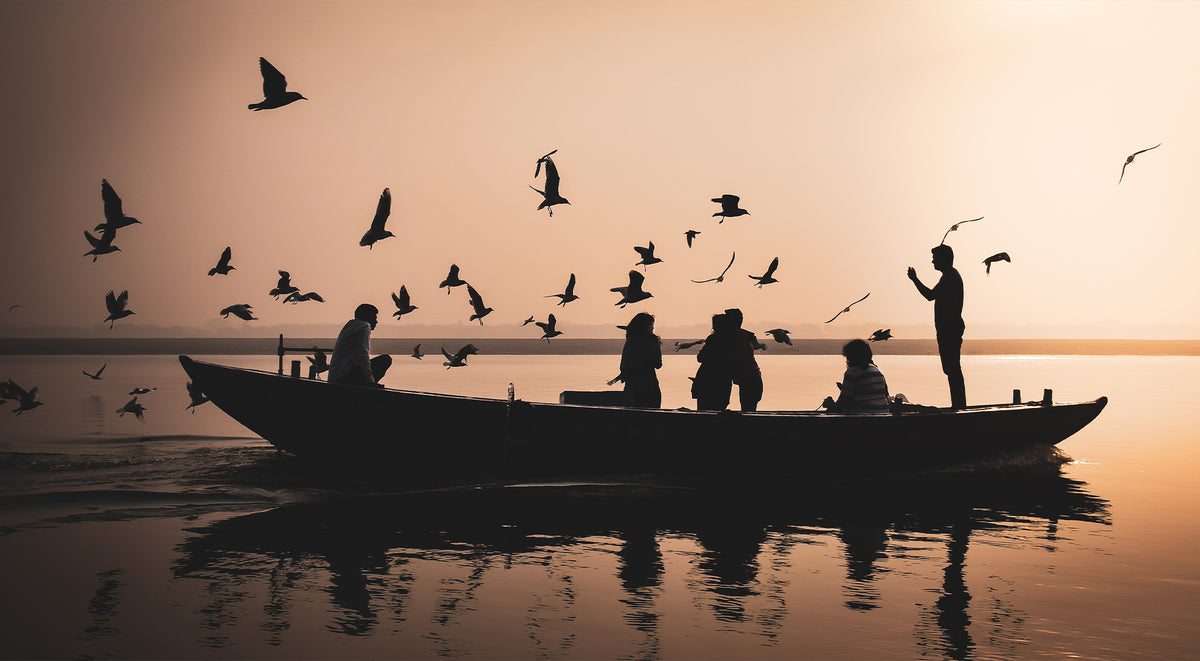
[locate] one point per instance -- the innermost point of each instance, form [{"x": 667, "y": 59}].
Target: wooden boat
[{"x": 426, "y": 434}]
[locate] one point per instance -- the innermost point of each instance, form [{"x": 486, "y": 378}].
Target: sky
[{"x": 856, "y": 133}]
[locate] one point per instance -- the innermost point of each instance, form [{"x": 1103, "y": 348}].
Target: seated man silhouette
[
  {"x": 864, "y": 390},
  {"x": 351, "y": 362}
]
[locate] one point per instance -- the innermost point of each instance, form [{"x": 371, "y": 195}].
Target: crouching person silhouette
[{"x": 351, "y": 362}]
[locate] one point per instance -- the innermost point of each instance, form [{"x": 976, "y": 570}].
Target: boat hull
[{"x": 438, "y": 435}]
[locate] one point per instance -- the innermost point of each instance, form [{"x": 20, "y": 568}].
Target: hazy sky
[{"x": 855, "y": 133}]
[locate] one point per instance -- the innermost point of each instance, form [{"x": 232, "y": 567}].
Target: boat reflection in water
[{"x": 369, "y": 555}]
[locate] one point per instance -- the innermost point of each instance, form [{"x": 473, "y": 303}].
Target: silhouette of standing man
[{"x": 947, "y": 297}]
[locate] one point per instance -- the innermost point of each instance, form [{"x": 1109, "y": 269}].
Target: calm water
[{"x": 184, "y": 536}]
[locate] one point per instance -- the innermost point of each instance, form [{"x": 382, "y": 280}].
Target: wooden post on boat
[
  {"x": 1016, "y": 395},
  {"x": 280, "y": 352},
  {"x": 295, "y": 369},
  {"x": 1047, "y": 397}
]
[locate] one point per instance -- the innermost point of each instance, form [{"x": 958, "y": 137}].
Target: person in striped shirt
[{"x": 864, "y": 390}]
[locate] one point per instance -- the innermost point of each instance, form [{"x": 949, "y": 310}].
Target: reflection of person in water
[
  {"x": 640, "y": 357},
  {"x": 351, "y": 362},
  {"x": 864, "y": 390},
  {"x": 947, "y": 297}
]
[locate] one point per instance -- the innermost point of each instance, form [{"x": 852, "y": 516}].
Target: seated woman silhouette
[
  {"x": 641, "y": 356},
  {"x": 864, "y": 390}
]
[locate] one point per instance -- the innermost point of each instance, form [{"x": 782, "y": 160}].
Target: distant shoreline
[{"x": 607, "y": 346}]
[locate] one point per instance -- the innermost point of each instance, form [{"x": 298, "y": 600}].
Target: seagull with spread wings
[
  {"x": 284, "y": 286},
  {"x": 550, "y": 196},
  {"x": 239, "y": 310},
  {"x": 114, "y": 214},
  {"x": 881, "y": 335},
  {"x": 720, "y": 278},
  {"x": 116, "y": 307},
  {"x": 102, "y": 245},
  {"x": 223, "y": 266},
  {"x": 1131, "y": 157},
  {"x": 548, "y": 328},
  {"x": 954, "y": 227},
  {"x": 96, "y": 376},
  {"x": 998, "y": 257},
  {"x": 132, "y": 406},
  {"x": 477, "y": 305},
  {"x": 402, "y": 302},
  {"x": 729, "y": 207},
  {"x": 275, "y": 91},
  {"x": 26, "y": 401},
  {"x": 632, "y": 292},
  {"x": 768, "y": 277},
  {"x": 781, "y": 336},
  {"x": 452, "y": 280},
  {"x": 296, "y": 297},
  {"x": 197, "y": 396},
  {"x": 568, "y": 294},
  {"x": 647, "y": 255},
  {"x": 140, "y": 390},
  {"x": 376, "y": 232},
  {"x": 690, "y": 234},
  {"x": 847, "y": 308},
  {"x": 416, "y": 352},
  {"x": 459, "y": 359}
]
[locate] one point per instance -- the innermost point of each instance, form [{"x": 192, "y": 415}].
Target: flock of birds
[{"x": 276, "y": 95}]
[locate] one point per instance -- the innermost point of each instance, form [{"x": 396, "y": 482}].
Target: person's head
[
  {"x": 642, "y": 324},
  {"x": 857, "y": 352},
  {"x": 943, "y": 257},
  {"x": 368, "y": 313},
  {"x": 734, "y": 316},
  {"x": 718, "y": 322}
]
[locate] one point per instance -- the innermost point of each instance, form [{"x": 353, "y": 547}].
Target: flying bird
[
  {"x": 1130, "y": 159},
  {"x": 719, "y": 278},
  {"x": 954, "y": 227},
  {"x": 781, "y": 336},
  {"x": 568, "y": 294},
  {"x": 102, "y": 245},
  {"x": 382, "y": 211},
  {"x": 481, "y": 310},
  {"x": 95, "y": 376},
  {"x": 847, "y": 308},
  {"x": 114, "y": 215},
  {"x": 647, "y": 254},
  {"x": 223, "y": 266},
  {"x": 15, "y": 306},
  {"x": 132, "y": 406},
  {"x": 402, "y": 302},
  {"x": 729, "y": 207},
  {"x": 319, "y": 362},
  {"x": 679, "y": 346},
  {"x": 527, "y": 321},
  {"x": 452, "y": 280},
  {"x": 459, "y": 359},
  {"x": 416, "y": 352},
  {"x": 26, "y": 401},
  {"x": 632, "y": 292},
  {"x": 239, "y": 310},
  {"x": 296, "y": 297},
  {"x": 881, "y": 335},
  {"x": 116, "y": 307},
  {"x": 141, "y": 391},
  {"x": 768, "y": 277},
  {"x": 548, "y": 329},
  {"x": 275, "y": 92},
  {"x": 998, "y": 257},
  {"x": 550, "y": 196},
  {"x": 690, "y": 234},
  {"x": 284, "y": 286},
  {"x": 196, "y": 394}
]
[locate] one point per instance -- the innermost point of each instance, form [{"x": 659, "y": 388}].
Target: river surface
[{"x": 185, "y": 536}]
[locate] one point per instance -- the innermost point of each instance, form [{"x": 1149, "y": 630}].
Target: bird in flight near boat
[
  {"x": 15, "y": 306},
  {"x": 132, "y": 406},
  {"x": 284, "y": 286},
  {"x": 647, "y": 255},
  {"x": 223, "y": 266},
  {"x": 720, "y": 278},
  {"x": 102, "y": 245},
  {"x": 275, "y": 91},
  {"x": 296, "y": 297},
  {"x": 632, "y": 292},
  {"x": 550, "y": 196},
  {"x": 568, "y": 294},
  {"x": 729, "y": 207},
  {"x": 114, "y": 215},
  {"x": 26, "y": 401},
  {"x": 402, "y": 302},
  {"x": 481, "y": 310},
  {"x": 452, "y": 280},
  {"x": 382, "y": 211},
  {"x": 847, "y": 308},
  {"x": 116, "y": 307},
  {"x": 881, "y": 335},
  {"x": 239, "y": 310},
  {"x": 416, "y": 352},
  {"x": 197, "y": 396},
  {"x": 768, "y": 277},
  {"x": 679, "y": 346},
  {"x": 319, "y": 361},
  {"x": 96, "y": 376},
  {"x": 690, "y": 234},
  {"x": 141, "y": 391},
  {"x": 1131, "y": 157},
  {"x": 954, "y": 227},
  {"x": 548, "y": 328},
  {"x": 781, "y": 336},
  {"x": 527, "y": 321},
  {"x": 459, "y": 359},
  {"x": 998, "y": 257}
]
